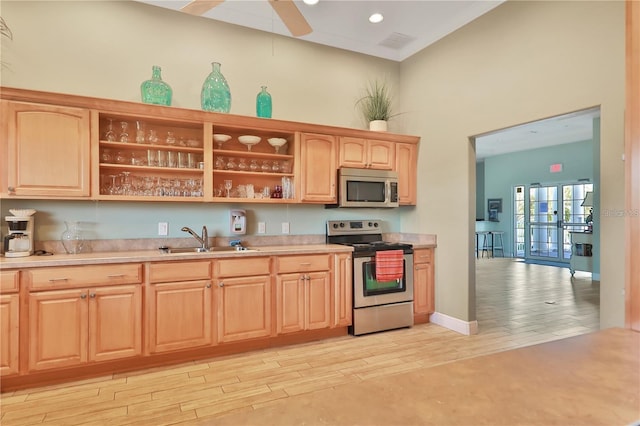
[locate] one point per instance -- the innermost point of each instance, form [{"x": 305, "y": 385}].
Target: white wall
[{"x": 521, "y": 62}]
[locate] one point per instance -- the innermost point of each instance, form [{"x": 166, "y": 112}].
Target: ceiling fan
[{"x": 286, "y": 9}]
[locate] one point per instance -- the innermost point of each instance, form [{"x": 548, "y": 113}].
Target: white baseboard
[{"x": 463, "y": 327}]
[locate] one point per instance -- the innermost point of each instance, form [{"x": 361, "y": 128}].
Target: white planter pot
[{"x": 378, "y": 126}]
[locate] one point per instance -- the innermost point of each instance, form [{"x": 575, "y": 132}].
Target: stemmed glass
[
  {"x": 126, "y": 183},
  {"x": 113, "y": 187},
  {"x": 228, "y": 184},
  {"x": 110, "y": 135},
  {"x": 124, "y": 133}
]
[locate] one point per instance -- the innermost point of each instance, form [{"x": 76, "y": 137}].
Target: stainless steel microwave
[{"x": 367, "y": 188}]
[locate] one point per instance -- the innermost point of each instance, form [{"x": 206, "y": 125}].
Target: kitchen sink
[{"x": 178, "y": 250}]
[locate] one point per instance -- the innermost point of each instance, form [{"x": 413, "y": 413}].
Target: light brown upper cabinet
[
  {"x": 317, "y": 168},
  {"x": 406, "y": 167},
  {"x": 47, "y": 150},
  {"x": 366, "y": 153}
]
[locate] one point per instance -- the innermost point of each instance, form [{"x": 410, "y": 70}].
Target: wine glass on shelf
[
  {"x": 228, "y": 184},
  {"x": 110, "y": 135},
  {"x": 124, "y": 131},
  {"x": 113, "y": 187},
  {"x": 125, "y": 183}
]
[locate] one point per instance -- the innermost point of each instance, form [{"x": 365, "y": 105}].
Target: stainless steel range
[{"x": 377, "y": 304}]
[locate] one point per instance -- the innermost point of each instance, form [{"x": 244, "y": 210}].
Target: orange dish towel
[{"x": 389, "y": 265}]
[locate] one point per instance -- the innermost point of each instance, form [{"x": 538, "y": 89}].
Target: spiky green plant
[
  {"x": 5, "y": 30},
  {"x": 376, "y": 104}
]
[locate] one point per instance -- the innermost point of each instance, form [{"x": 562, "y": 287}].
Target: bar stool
[
  {"x": 485, "y": 243},
  {"x": 497, "y": 243}
]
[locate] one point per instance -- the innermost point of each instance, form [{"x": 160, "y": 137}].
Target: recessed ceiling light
[
  {"x": 310, "y": 2},
  {"x": 376, "y": 18}
]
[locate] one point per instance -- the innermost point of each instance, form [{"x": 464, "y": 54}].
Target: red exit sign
[{"x": 555, "y": 168}]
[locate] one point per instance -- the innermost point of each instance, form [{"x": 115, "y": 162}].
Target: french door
[{"x": 545, "y": 215}]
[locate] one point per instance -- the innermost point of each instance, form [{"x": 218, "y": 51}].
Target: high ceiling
[{"x": 408, "y": 26}]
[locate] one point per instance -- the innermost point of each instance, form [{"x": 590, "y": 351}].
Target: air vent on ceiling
[{"x": 396, "y": 41}]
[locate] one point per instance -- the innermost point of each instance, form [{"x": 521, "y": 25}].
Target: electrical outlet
[
  {"x": 163, "y": 229},
  {"x": 262, "y": 228},
  {"x": 285, "y": 227}
]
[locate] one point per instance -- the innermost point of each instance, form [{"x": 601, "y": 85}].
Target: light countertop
[{"x": 156, "y": 255}]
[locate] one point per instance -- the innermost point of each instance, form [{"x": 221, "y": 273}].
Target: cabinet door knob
[
  {"x": 209, "y": 286},
  {"x": 220, "y": 284},
  {"x": 83, "y": 296},
  {"x": 92, "y": 295},
  {"x": 11, "y": 189}
]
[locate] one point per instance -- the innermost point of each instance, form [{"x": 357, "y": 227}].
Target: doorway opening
[{"x": 541, "y": 207}]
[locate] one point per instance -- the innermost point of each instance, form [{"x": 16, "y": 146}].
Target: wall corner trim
[{"x": 463, "y": 327}]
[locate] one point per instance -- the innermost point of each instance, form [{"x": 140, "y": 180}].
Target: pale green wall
[
  {"x": 521, "y": 62},
  {"x": 504, "y": 172},
  {"x": 118, "y": 220}
]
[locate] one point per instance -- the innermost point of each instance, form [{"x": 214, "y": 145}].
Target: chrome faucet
[{"x": 204, "y": 240}]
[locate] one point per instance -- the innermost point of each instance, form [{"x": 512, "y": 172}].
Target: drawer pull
[
  {"x": 116, "y": 276},
  {"x": 52, "y": 280},
  {"x": 305, "y": 263}
]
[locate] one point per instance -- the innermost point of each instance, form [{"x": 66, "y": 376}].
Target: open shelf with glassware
[
  {"x": 141, "y": 158},
  {"x": 258, "y": 170}
]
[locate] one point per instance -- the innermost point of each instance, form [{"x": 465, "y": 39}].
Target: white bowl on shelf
[
  {"x": 22, "y": 212},
  {"x": 220, "y": 139},
  {"x": 249, "y": 140},
  {"x": 277, "y": 143}
]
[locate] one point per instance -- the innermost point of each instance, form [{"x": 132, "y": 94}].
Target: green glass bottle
[
  {"x": 263, "y": 103},
  {"x": 215, "y": 95},
  {"x": 156, "y": 91}
]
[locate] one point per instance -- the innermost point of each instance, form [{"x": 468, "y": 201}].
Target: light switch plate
[
  {"x": 163, "y": 229},
  {"x": 262, "y": 227},
  {"x": 285, "y": 227}
]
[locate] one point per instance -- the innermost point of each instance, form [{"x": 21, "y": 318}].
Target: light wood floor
[{"x": 517, "y": 305}]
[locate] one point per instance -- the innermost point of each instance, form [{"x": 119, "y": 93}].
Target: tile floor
[{"x": 517, "y": 305}]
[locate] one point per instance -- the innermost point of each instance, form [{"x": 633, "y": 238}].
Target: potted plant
[{"x": 376, "y": 105}]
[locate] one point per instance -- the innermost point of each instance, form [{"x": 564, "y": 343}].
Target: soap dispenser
[{"x": 238, "y": 222}]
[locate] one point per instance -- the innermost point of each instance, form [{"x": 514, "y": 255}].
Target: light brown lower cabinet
[
  {"x": 303, "y": 301},
  {"x": 303, "y": 293},
  {"x": 179, "y": 302},
  {"x": 243, "y": 295},
  {"x": 76, "y": 316},
  {"x": 9, "y": 322},
  {"x": 423, "y": 284},
  {"x": 75, "y": 326},
  {"x": 343, "y": 290},
  {"x": 9, "y": 329}
]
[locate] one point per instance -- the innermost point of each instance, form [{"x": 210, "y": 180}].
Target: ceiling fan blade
[
  {"x": 291, "y": 16},
  {"x": 200, "y": 7}
]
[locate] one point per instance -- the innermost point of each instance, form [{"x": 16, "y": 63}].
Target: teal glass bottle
[
  {"x": 156, "y": 91},
  {"x": 263, "y": 103},
  {"x": 215, "y": 95}
]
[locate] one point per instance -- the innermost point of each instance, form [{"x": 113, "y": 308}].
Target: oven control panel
[{"x": 354, "y": 227}]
